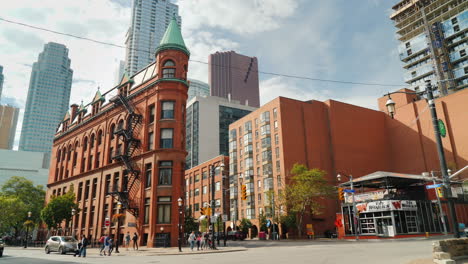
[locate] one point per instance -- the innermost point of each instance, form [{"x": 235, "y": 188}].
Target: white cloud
[
  {"x": 236, "y": 16},
  {"x": 97, "y": 19}
]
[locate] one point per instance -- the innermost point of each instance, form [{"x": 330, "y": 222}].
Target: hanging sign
[
  {"x": 442, "y": 128},
  {"x": 387, "y": 205}
]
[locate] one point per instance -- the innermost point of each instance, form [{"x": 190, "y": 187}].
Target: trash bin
[{"x": 262, "y": 235}]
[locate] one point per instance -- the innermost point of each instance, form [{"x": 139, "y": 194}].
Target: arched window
[
  {"x": 168, "y": 69},
  {"x": 85, "y": 144},
  {"x": 91, "y": 143},
  {"x": 99, "y": 138},
  {"x": 112, "y": 130},
  {"x": 120, "y": 125}
]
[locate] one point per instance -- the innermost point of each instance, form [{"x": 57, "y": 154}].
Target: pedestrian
[
  {"x": 192, "y": 240},
  {"x": 111, "y": 244},
  {"x": 106, "y": 245},
  {"x": 198, "y": 242},
  {"x": 101, "y": 242},
  {"x": 127, "y": 240},
  {"x": 84, "y": 244},
  {"x": 77, "y": 251},
  {"x": 135, "y": 241}
]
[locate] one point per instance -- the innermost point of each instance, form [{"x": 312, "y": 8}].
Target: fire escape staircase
[{"x": 127, "y": 193}]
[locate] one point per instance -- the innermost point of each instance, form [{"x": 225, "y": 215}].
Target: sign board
[
  {"x": 387, "y": 205},
  {"x": 367, "y": 196},
  {"x": 348, "y": 191},
  {"x": 268, "y": 223},
  {"x": 107, "y": 222},
  {"x": 310, "y": 230},
  {"x": 442, "y": 128},
  {"x": 433, "y": 186},
  {"x": 225, "y": 218},
  {"x": 131, "y": 224}
]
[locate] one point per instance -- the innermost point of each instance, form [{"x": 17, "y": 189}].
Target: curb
[{"x": 197, "y": 253}]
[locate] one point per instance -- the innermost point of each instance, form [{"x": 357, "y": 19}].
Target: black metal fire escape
[{"x": 128, "y": 191}]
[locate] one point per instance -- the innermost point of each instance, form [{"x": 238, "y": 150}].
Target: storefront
[{"x": 391, "y": 204}]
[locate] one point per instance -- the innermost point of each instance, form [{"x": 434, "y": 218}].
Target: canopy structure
[{"x": 386, "y": 180}]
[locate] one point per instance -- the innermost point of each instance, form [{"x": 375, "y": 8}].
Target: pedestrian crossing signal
[
  {"x": 341, "y": 194},
  {"x": 244, "y": 192},
  {"x": 202, "y": 211},
  {"x": 440, "y": 192}
]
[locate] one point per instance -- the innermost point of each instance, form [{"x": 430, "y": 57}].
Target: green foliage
[
  {"x": 307, "y": 189},
  {"x": 13, "y": 213},
  {"x": 190, "y": 224},
  {"x": 59, "y": 209},
  {"x": 24, "y": 189},
  {"x": 204, "y": 225},
  {"x": 262, "y": 222},
  {"x": 289, "y": 220},
  {"x": 244, "y": 225}
]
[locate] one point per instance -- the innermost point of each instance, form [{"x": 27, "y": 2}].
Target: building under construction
[{"x": 433, "y": 43}]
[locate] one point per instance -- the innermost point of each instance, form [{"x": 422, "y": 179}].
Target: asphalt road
[{"x": 284, "y": 252}]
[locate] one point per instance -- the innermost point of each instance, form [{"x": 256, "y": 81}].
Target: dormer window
[{"x": 168, "y": 69}]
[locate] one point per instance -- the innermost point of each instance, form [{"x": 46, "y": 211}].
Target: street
[{"x": 322, "y": 252}]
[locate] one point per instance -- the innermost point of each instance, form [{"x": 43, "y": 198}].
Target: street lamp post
[
  {"x": 213, "y": 203},
  {"x": 27, "y": 230},
  {"x": 179, "y": 240},
  {"x": 117, "y": 231},
  {"x": 73, "y": 212},
  {"x": 440, "y": 149},
  {"x": 355, "y": 218}
]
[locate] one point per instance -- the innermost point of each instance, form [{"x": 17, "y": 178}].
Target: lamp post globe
[
  {"x": 390, "y": 104},
  {"x": 27, "y": 230},
  {"x": 73, "y": 212}
]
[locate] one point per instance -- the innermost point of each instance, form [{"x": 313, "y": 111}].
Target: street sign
[
  {"x": 268, "y": 223},
  {"x": 433, "y": 186},
  {"x": 225, "y": 218},
  {"x": 107, "y": 222},
  {"x": 348, "y": 190},
  {"x": 131, "y": 224}
]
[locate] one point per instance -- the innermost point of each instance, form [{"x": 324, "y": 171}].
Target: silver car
[{"x": 61, "y": 244}]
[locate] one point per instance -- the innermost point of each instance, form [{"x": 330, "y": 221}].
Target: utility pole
[
  {"x": 443, "y": 162},
  {"x": 442, "y": 216}
]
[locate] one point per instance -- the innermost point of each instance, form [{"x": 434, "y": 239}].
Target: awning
[{"x": 383, "y": 179}]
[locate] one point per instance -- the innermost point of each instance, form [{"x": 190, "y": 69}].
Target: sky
[{"x": 346, "y": 40}]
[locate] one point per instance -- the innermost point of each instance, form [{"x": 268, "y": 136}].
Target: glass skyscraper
[
  {"x": 198, "y": 88},
  {"x": 48, "y": 98},
  {"x": 433, "y": 37},
  {"x": 150, "y": 19}
]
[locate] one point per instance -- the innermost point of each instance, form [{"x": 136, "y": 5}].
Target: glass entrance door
[{"x": 382, "y": 225}]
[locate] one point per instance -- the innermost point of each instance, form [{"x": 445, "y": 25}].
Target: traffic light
[
  {"x": 440, "y": 192},
  {"x": 244, "y": 192},
  {"x": 341, "y": 194},
  {"x": 202, "y": 211}
]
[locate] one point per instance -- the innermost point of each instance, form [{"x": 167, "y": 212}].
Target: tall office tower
[
  {"x": 234, "y": 75},
  {"x": 433, "y": 43},
  {"x": 1, "y": 81},
  {"x": 150, "y": 19},
  {"x": 8, "y": 122},
  {"x": 198, "y": 88},
  {"x": 207, "y": 127},
  {"x": 48, "y": 98},
  {"x": 119, "y": 71}
]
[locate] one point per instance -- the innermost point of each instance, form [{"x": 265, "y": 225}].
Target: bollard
[{"x": 427, "y": 234}]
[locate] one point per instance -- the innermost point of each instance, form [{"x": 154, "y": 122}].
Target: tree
[
  {"x": 59, "y": 209},
  {"x": 307, "y": 189},
  {"x": 262, "y": 222},
  {"x": 189, "y": 222},
  {"x": 245, "y": 224},
  {"x": 13, "y": 214},
  {"x": 24, "y": 189}
]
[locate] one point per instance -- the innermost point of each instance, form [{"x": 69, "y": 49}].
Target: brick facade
[{"x": 97, "y": 154}]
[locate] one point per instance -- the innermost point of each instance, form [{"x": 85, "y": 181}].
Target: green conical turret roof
[{"x": 173, "y": 39}]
